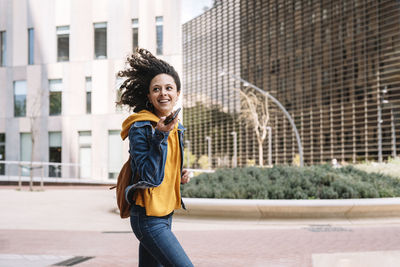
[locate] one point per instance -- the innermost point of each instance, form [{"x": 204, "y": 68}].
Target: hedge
[{"x": 287, "y": 182}]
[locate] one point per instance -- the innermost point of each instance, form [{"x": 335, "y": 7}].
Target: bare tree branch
[
  {"x": 255, "y": 110},
  {"x": 34, "y": 114}
]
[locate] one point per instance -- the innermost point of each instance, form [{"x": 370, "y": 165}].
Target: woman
[{"x": 151, "y": 89}]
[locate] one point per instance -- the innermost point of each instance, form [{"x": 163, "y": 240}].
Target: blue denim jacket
[{"x": 148, "y": 153}]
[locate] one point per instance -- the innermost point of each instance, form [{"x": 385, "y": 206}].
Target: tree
[
  {"x": 34, "y": 116},
  {"x": 255, "y": 110}
]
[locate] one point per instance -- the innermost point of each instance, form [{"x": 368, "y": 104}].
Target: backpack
[{"x": 124, "y": 179}]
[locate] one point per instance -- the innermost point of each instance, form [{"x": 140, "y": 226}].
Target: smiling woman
[
  {"x": 143, "y": 67},
  {"x": 151, "y": 89},
  {"x": 163, "y": 94}
]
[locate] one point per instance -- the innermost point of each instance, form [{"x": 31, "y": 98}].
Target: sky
[{"x": 193, "y": 8}]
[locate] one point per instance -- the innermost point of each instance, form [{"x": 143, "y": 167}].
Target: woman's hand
[
  {"x": 166, "y": 128},
  {"x": 185, "y": 177}
]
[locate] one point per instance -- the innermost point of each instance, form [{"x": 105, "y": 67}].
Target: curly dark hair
[{"x": 143, "y": 67}]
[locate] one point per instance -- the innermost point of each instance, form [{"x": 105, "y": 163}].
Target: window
[
  {"x": 55, "y": 153},
  {"x": 55, "y": 97},
  {"x": 135, "y": 33},
  {"x": 159, "y": 35},
  {"x": 88, "y": 95},
  {"x": 30, "y": 46},
  {"x": 25, "y": 151},
  {"x": 85, "y": 154},
  {"x": 2, "y": 48},
  {"x": 2, "y": 152},
  {"x": 63, "y": 43},
  {"x": 20, "y": 98},
  {"x": 100, "y": 40},
  {"x": 114, "y": 154}
]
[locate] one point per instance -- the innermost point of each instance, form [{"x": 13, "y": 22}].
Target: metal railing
[{"x": 41, "y": 172}]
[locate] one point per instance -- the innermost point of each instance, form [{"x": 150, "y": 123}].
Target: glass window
[
  {"x": 25, "y": 150},
  {"x": 55, "y": 153},
  {"x": 55, "y": 97},
  {"x": 63, "y": 43},
  {"x": 88, "y": 95},
  {"x": 135, "y": 33},
  {"x": 159, "y": 35},
  {"x": 114, "y": 154},
  {"x": 2, "y": 152},
  {"x": 100, "y": 40},
  {"x": 20, "y": 98},
  {"x": 85, "y": 154},
  {"x": 30, "y": 46},
  {"x": 3, "y": 48}
]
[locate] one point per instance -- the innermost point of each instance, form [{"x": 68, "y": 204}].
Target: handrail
[{"x": 38, "y": 163}]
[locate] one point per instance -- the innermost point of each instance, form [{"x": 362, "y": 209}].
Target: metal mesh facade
[
  {"x": 211, "y": 42},
  {"x": 334, "y": 65}
]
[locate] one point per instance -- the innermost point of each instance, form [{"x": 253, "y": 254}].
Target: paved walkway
[{"x": 45, "y": 228}]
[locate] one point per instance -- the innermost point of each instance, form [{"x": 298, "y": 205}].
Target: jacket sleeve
[{"x": 148, "y": 150}]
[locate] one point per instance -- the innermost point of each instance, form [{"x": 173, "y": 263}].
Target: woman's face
[{"x": 163, "y": 94}]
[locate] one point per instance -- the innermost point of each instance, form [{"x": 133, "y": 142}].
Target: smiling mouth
[{"x": 163, "y": 101}]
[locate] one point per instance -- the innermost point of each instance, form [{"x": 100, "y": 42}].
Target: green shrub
[{"x": 289, "y": 182}]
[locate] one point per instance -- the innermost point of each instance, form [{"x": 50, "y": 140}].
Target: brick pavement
[
  {"x": 80, "y": 222},
  {"x": 286, "y": 247}
]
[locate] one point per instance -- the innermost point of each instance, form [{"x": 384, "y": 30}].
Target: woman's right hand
[{"x": 166, "y": 128}]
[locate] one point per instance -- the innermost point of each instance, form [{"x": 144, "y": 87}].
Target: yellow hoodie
[{"x": 162, "y": 200}]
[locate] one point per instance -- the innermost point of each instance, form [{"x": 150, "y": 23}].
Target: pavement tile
[
  {"x": 269, "y": 247},
  {"x": 47, "y": 227},
  {"x": 15, "y": 260},
  {"x": 363, "y": 259}
]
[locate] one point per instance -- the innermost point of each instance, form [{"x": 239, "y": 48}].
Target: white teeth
[{"x": 163, "y": 101}]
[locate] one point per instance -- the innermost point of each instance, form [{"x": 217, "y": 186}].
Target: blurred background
[{"x": 332, "y": 65}]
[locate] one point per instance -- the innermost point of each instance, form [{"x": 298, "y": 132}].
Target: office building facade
[
  {"x": 58, "y": 83},
  {"x": 334, "y": 65}
]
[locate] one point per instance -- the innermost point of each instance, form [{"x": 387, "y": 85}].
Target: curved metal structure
[{"x": 300, "y": 147}]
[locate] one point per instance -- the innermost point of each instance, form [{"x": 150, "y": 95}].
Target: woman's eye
[{"x": 156, "y": 89}]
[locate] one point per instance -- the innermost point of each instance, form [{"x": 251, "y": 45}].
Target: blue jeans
[{"x": 158, "y": 245}]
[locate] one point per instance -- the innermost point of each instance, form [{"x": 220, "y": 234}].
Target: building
[
  {"x": 211, "y": 43},
  {"x": 58, "y": 84},
  {"x": 334, "y": 65}
]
